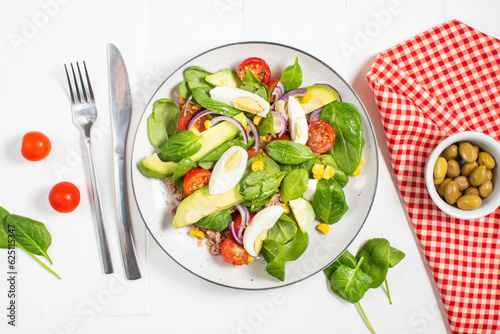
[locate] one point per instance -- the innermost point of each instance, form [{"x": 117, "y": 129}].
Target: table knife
[{"x": 120, "y": 101}]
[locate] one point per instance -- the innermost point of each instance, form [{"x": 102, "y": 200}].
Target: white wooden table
[{"x": 155, "y": 37}]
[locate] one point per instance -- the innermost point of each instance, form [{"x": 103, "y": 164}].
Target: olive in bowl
[{"x": 461, "y": 175}]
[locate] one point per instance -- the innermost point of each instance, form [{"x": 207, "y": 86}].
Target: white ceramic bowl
[{"x": 489, "y": 204}]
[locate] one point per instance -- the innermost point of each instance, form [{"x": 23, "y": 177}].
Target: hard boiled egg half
[
  {"x": 260, "y": 223},
  {"x": 228, "y": 170},
  {"x": 298, "y": 122},
  {"x": 240, "y": 99}
]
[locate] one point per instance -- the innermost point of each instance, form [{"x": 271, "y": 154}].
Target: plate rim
[{"x": 377, "y": 162}]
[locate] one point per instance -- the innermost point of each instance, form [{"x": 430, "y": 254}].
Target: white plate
[{"x": 151, "y": 195}]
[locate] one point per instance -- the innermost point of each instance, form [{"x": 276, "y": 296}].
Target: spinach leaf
[
  {"x": 183, "y": 167},
  {"x": 32, "y": 235},
  {"x": 266, "y": 125},
  {"x": 395, "y": 256},
  {"x": 346, "y": 259},
  {"x": 297, "y": 246},
  {"x": 162, "y": 123},
  {"x": 260, "y": 184},
  {"x": 207, "y": 164},
  {"x": 184, "y": 89},
  {"x": 202, "y": 96},
  {"x": 329, "y": 201},
  {"x": 216, "y": 153},
  {"x": 288, "y": 152},
  {"x": 349, "y": 141},
  {"x": 254, "y": 205},
  {"x": 376, "y": 264},
  {"x": 282, "y": 231},
  {"x": 269, "y": 164},
  {"x": 217, "y": 221},
  {"x": 253, "y": 84},
  {"x": 3, "y": 234},
  {"x": 294, "y": 185},
  {"x": 181, "y": 145},
  {"x": 350, "y": 284},
  {"x": 292, "y": 76},
  {"x": 274, "y": 254},
  {"x": 195, "y": 77}
]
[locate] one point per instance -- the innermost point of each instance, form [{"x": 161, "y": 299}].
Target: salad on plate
[{"x": 254, "y": 159}]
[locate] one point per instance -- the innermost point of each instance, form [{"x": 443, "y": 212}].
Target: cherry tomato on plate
[
  {"x": 258, "y": 66},
  {"x": 271, "y": 86},
  {"x": 321, "y": 136},
  {"x": 195, "y": 179},
  {"x": 233, "y": 252},
  {"x": 252, "y": 152},
  {"x": 237, "y": 220},
  {"x": 36, "y": 146},
  {"x": 183, "y": 120},
  {"x": 282, "y": 137},
  {"x": 64, "y": 197}
]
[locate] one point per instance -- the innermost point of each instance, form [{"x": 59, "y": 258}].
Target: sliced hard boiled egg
[
  {"x": 228, "y": 170},
  {"x": 260, "y": 223},
  {"x": 297, "y": 120},
  {"x": 240, "y": 99},
  {"x": 311, "y": 189}
]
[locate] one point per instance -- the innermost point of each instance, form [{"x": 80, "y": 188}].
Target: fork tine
[
  {"x": 70, "y": 86},
  {"x": 91, "y": 93},
  {"x": 79, "y": 98},
  {"x": 84, "y": 91}
]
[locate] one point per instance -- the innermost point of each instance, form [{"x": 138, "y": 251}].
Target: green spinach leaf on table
[
  {"x": 350, "y": 284},
  {"x": 162, "y": 123},
  {"x": 292, "y": 76},
  {"x": 182, "y": 145},
  {"x": 395, "y": 257},
  {"x": 294, "y": 185},
  {"x": 260, "y": 184},
  {"x": 376, "y": 264},
  {"x": 329, "y": 202},
  {"x": 349, "y": 141},
  {"x": 346, "y": 259},
  {"x": 217, "y": 221},
  {"x": 288, "y": 152},
  {"x": 183, "y": 167}
]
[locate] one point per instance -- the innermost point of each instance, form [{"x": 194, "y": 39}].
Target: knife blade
[{"x": 120, "y": 104}]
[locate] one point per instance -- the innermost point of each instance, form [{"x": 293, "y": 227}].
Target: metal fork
[{"x": 84, "y": 115}]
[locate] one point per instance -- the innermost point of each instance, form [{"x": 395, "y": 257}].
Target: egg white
[
  {"x": 261, "y": 222},
  {"x": 223, "y": 179},
  {"x": 227, "y": 95},
  {"x": 298, "y": 122}
]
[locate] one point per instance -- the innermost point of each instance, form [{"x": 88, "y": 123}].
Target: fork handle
[{"x": 96, "y": 197}]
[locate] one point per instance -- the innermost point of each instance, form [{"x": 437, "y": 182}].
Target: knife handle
[{"x": 125, "y": 234}]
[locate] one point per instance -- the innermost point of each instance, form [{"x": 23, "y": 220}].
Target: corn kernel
[
  {"x": 250, "y": 259},
  {"x": 318, "y": 169},
  {"x": 207, "y": 124},
  {"x": 257, "y": 119},
  {"x": 323, "y": 228},
  {"x": 193, "y": 231},
  {"x": 200, "y": 234},
  {"x": 325, "y": 176},
  {"x": 330, "y": 171},
  {"x": 357, "y": 172},
  {"x": 286, "y": 209},
  {"x": 317, "y": 176},
  {"x": 257, "y": 165},
  {"x": 195, "y": 130},
  {"x": 306, "y": 98},
  {"x": 361, "y": 161},
  {"x": 223, "y": 82}
]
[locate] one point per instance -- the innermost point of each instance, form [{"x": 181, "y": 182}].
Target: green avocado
[
  {"x": 225, "y": 77},
  {"x": 320, "y": 96},
  {"x": 201, "y": 204},
  {"x": 211, "y": 138},
  {"x": 303, "y": 212}
]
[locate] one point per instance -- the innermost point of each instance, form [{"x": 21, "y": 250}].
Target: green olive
[
  {"x": 467, "y": 152},
  {"x": 478, "y": 176},
  {"x": 476, "y": 148},
  {"x": 489, "y": 174},
  {"x": 441, "y": 187},
  {"x": 485, "y": 189},
  {"x": 471, "y": 191},
  {"x": 437, "y": 182},
  {"x": 451, "y": 152},
  {"x": 486, "y": 159},
  {"x": 453, "y": 168},
  {"x": 469, "y": 202},
  {"x": 451, "y": 192},
  {"x": 440, "y": 168},
  {"x": 463, "y": 182},
  {"x": 468, "y": 167}
]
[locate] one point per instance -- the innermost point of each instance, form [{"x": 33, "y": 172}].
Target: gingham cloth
[{"x": 441, "y": 82}]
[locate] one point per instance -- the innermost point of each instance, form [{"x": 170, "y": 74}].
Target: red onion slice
[
  {"x": 329, "y": 86},
  {"x": 279, "y": 123},
  {"x": 279, "y": 105},
  {"x": 219, "y": 119},
  {"x": 199, "y": 114},
  {"x": 255, "y": 134},
  {"x": 314, "y": 115},
  {"x": 233, "y": 233},
  {"x": 245, "y": 214},
  {"x": 186, "y": 105},
  {"x": 239, "y": 232},
  {"x": 278, "y": 90}
]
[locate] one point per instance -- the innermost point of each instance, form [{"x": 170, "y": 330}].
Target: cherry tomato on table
[
  {"x": 36, "y": 146},
  {"x": 195, "y": 179},
  {"x": 258, "y": 66},
  {"x": 64, "y": 197},
  {"x": 321, "y": 136},
  {"x": 233, "y": 252}
]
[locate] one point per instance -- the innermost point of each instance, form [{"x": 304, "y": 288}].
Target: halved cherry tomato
[
  {"x": 233, "y": 252},
  {"x": 36, "y": 146},
  {"x": 237, "y": 220},
  {"x": 252, "y": 152},
  {"x": 282, "y": 137},
  {"x": 183, "y": 120},
  {"x": 258, "y": 66},
  {"x": 64, "y": 197},
  {"x": 321, "y": 136},
  {"x": 196, "y": 179},
  {"x": 271, "y": 86}
]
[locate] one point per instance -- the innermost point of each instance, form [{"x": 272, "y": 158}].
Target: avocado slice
[
  {"x": 303, "y": 212},
  {"x": 225, "y": 77},
  {"x": 211, "y": 138},
  {"x": 201, "y": 204},
  {"x": 320, "y": 96}
]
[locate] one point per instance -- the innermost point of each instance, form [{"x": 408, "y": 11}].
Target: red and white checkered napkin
[{"x": 441, "y": 82}]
